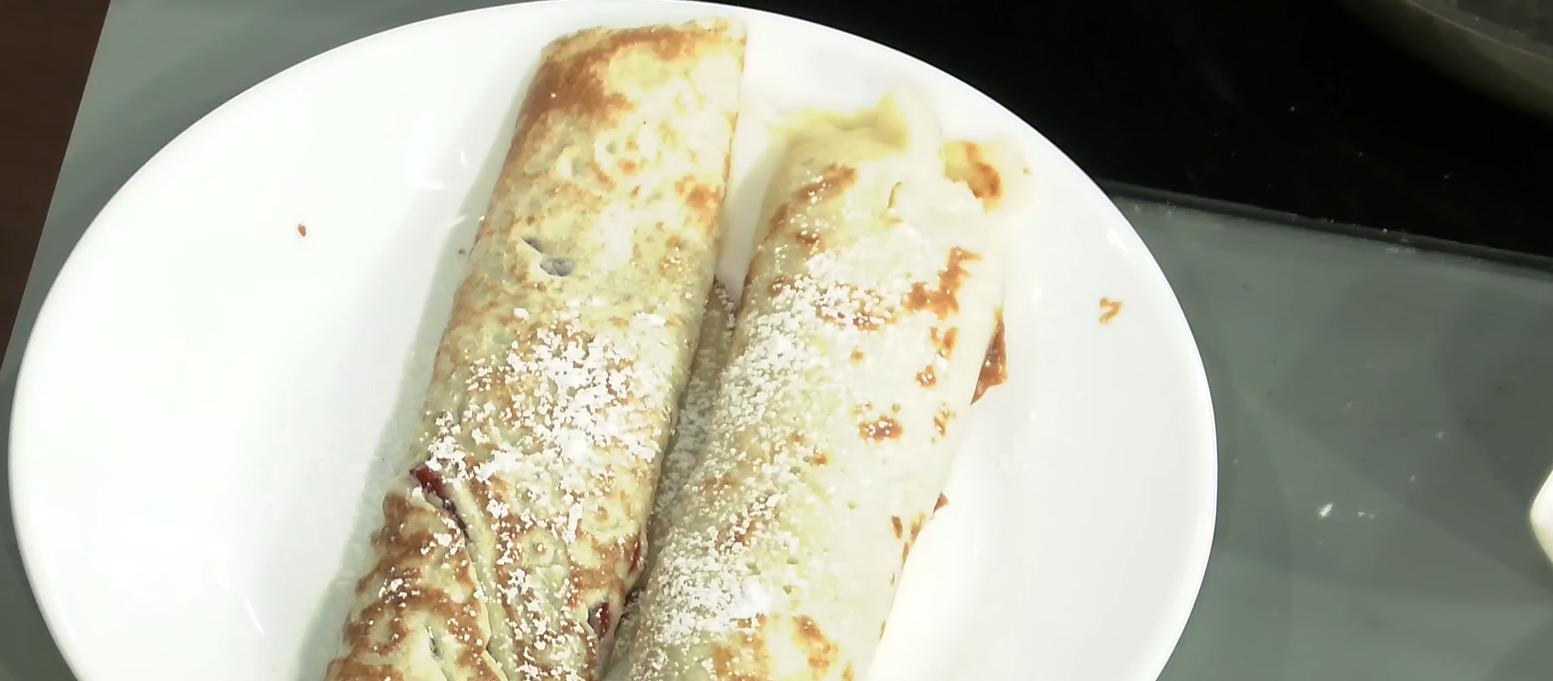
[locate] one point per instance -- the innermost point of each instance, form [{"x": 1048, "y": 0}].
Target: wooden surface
[{"x": 47, "y": 46}]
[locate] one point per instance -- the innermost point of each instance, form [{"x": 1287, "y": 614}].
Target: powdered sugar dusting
[
  {"x": 729, "y": 559},
  {"x": 695, "y": 413},
  {"x": 548, "y": 424}
]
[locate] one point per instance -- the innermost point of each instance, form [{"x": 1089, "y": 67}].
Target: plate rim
[{"x": 27, "y": 506}]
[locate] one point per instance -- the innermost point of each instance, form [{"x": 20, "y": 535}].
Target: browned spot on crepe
[
  {"x": 983, "y": 179},
  {"x": 928, "y": 377},
  {"x": 943, "y": 300},
  {"x": 846, "y": 305},
  {"x": 835, "y": 179},
  {"x": 701, "y": 198},
  {"x": 942, "y": 418},
  {"x": 857, "y": 356},
  {"x": 569, "y": 86},
  {"x": 601, "y": 174},
  {"x": 301, "y": 229},
  {"x": 911, "y": 539},
  {"x": 674, "y": 261},
  {"x": 941, "y": 503},
  {"x": 944, "y": 341},
  {"x": 880, "y": 429},
  {"x": 832, "y": 181},
  {"x": 898, "y": 526},
  {"x": 746, "y": 523},
  {"x": 739, "y": 535},
  {"x": 745, "y": 658},
  {"x": 994, "y": 368},
  {"x": 671, "y": 265},
  {"x": 809, "y": 238},
  {"x": 819, "y": 649}
]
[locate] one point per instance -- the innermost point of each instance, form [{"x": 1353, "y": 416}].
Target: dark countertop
[
  {"x": 56, "y": 41},
  {"x": 1288, "y": 105}
]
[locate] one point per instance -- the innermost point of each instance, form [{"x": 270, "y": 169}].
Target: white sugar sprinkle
[
  {"x": 555, "y": 415},
  {"x": 709, "y": 581}
]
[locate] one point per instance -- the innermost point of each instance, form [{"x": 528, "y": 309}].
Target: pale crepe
[{"x": 864, "y": 329}]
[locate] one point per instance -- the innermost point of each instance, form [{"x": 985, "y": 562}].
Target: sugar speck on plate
[{"x": 1325, "y": 510}]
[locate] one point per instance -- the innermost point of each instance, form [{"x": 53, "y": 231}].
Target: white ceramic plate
[{"x": 208, "y": 398}]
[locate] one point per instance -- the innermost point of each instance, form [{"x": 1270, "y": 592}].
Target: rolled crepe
[
  {"x": 694, "y": 419},
  {"x": 692, "y": 423},
  {"x": 508, "y": 547},
  {"x": 863, "y": 330}
]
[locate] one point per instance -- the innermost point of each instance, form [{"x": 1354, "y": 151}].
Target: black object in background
[{"x": 1286, "y": 105}]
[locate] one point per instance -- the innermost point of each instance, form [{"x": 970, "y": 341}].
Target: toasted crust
[
  {"x": 420, "y": 595},
  {"x": 568, "y": 346}
]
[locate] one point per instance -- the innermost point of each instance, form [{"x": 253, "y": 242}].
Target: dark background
[
  {"x": 1289, "y": 105},
  {"x": 1286, "y": 105},
  {"x": 46, "y": 49}
]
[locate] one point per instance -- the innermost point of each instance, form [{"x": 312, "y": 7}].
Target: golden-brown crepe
[
  {"x": 506, "y": 551},
  {"x": 865, "y": 323}
]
